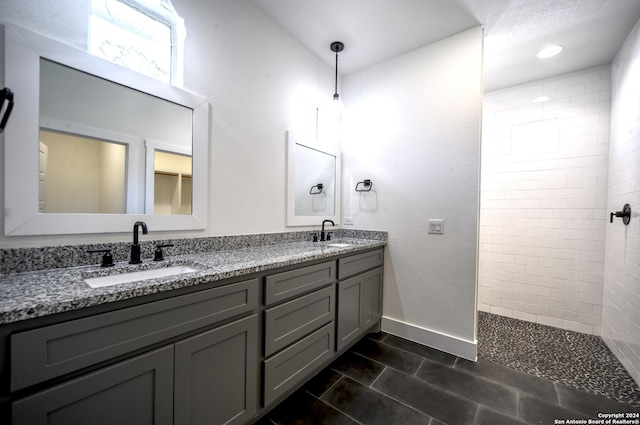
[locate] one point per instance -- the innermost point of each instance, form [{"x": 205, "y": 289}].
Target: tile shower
[
  {"x": 552, "y": 172},
  {"x": 544, "y": 200}
]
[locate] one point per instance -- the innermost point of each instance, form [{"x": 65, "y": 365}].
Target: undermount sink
[
  {"x": 116, "y": 279},
  {"x": 339, "y": 245}
]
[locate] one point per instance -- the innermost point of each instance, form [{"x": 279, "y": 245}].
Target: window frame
[{"x": 161, "y": 11}]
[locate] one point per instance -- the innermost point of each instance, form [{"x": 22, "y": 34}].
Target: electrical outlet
[
  {"x": 436, "y": 226},
  {"x": 348, "y": 221}
]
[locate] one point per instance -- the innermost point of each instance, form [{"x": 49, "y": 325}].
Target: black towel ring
[
  {"x": 368, "y": 185},
  {"x": 319, "y": 186}
]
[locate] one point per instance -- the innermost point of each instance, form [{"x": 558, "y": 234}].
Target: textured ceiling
[{"x": 375, "y": 30}]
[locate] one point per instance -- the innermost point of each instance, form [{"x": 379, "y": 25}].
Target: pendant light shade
[{"x": 337, "y": 47}]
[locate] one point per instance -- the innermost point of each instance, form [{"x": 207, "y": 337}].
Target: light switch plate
[
  {"x": 436, "y": 226},
  {"x": 348, "y": 221}
]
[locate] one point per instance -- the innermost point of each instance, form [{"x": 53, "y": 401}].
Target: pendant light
[{"x": 337, "y": 47}]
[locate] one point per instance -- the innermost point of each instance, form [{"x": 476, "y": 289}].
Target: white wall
[
  {"x": 255, "y": 76},
  {"x": 621, "y": 308},
  {"x": 412, "y": 126},
  {"x": 543, "y": 200}
]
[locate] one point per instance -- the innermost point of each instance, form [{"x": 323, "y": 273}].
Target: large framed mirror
[
  {"x": 91, "y": 145},
  {"x": 313, "y": 183}
]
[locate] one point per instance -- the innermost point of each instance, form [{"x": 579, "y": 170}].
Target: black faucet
[
  {"x": 135, "y": 247},
  {"x": 322, "y": 233}
]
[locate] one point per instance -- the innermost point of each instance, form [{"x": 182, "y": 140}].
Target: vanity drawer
[
  {"x": 41, "y": 354},
  {"x": 293, "y": 365},
  {"x": 355, "y": 264},
  {"x": 286, "y": 285},
  {"x": 292, "y": 320}
]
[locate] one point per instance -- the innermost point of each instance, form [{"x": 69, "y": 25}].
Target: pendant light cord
[
  {"x": 337, "y": 47},
  {"x": 336, "y": 87}
]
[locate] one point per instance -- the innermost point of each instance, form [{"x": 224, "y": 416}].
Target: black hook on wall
[
  {"x": 319, "y": 186},
  {"x": 368, "y": 185},
  {"x": 625, "y": 214}
]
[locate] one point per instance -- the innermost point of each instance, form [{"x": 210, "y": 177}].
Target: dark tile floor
[{"x": 388, "y": 380}]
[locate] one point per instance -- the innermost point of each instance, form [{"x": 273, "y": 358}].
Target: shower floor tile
[{"x": 571, "y": 358}]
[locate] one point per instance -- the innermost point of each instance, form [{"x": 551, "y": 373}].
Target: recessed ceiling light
[
  {"x": 550, "y": 51},
  {"x": 540, "y": 99}
]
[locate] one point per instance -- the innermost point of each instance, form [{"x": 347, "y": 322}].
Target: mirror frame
[
  {"x": 308, "y": 220},
  {"x": 23, "y": 50}
]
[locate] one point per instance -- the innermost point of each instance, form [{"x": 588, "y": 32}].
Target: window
[{"x": 143, "y": 35}]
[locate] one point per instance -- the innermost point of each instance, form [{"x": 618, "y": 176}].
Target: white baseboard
[{"x": 443, "y": 342}]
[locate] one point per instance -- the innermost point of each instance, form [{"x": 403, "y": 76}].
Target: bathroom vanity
[{"x": 222, "y": 345}]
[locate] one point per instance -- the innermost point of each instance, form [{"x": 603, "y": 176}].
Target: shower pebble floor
[{"x": 575, "y": 359}]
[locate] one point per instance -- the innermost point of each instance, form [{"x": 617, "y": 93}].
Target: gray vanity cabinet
[
  {"x": 372, "y": 297},
  {"x": 286, "y": 285},
  {"x": 293, "y": 320},
  {"x": 48, "y": 352},
  {"x": 209, "y": 378},
  {"x": 216, "y": 356},
  {"x": 216, "y": 375},
  {"x": 359, "y": 296},
  {"x": 292, "y": 366},
  {"x": 207, "y": 371},
  {"x": 350, "y": 310},
  {"x": 298, "y": 326},
  {"x": 136, "y": 391}
]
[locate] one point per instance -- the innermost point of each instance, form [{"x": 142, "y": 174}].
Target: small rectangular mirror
[{"x": 313, "y": 184}]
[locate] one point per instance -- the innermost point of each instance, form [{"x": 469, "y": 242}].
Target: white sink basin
[
  {"x": 339, "y": 245},
  {"x": 116, "y": 279}
]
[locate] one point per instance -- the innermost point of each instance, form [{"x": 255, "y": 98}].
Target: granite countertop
[{"x": 35, "y": 294}]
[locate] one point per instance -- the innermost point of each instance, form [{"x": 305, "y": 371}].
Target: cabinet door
[
  {"x": 350, "y": 312},
  {"x": 136, "y": 391},
  {"x": 216, "y": 375},
  {"x": 372, "y": 294}
]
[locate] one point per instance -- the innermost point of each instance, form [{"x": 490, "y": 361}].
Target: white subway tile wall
[
  {"x": 543, "y": 205},
  {"x": 621, "y": 303}
]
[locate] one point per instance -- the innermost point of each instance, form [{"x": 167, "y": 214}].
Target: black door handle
[{"x": 5, "y": 94}]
